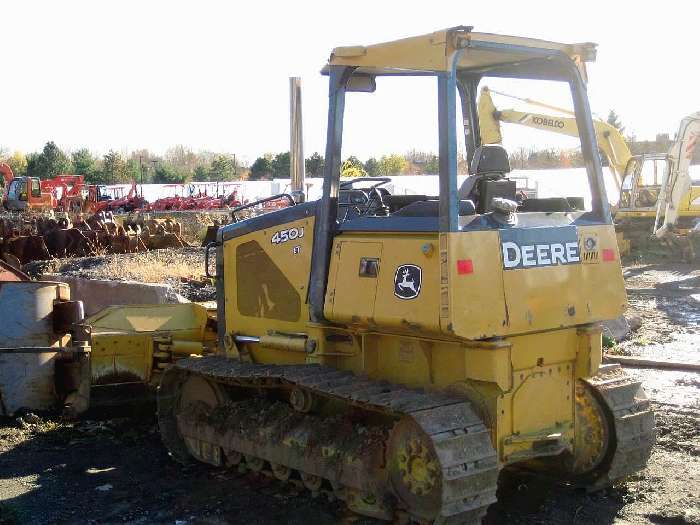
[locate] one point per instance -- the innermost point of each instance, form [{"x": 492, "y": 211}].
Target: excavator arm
[
  {"x": 676, "y": 182},
  {"x": 7, "y": 173},
  {"x": 610, "y": 140}
]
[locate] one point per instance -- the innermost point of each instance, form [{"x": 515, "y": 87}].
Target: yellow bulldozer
[{"x": 399, "y": 351}]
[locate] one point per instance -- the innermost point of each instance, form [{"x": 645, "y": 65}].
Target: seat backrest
[{"x": 490, "y": 158}]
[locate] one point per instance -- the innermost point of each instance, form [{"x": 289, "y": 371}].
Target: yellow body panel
[
  {"x": 534, "y": 298},
  {"x": 476, "y": 306},
  {"x": 120, "y": 358},
  {"x": 188, "y": 319},
  {"x": 356, "y": 305}
]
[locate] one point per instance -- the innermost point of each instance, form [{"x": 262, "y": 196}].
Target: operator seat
[
  {"x": 490, "y": 160},
  {"x": 489, "y": 165}
]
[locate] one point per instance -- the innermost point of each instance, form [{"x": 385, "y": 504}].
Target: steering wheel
[
  {"x": 375, "y": 202},
  {"x": 373, "y": 199}
]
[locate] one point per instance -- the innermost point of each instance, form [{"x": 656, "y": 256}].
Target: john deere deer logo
[{"x": 407, "y": 281}]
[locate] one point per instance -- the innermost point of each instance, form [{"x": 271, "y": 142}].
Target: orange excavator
[
  {"x": 60, "y": 193},
  {"x": 68, "y": 191},
  {"x": 73, "y": 194},
  {"x": 25, "y": 193}
]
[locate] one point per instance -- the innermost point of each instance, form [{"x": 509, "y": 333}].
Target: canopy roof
[{"x": 433, "y": 52}]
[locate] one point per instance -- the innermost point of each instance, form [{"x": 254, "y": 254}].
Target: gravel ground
[{"x": 116, "y": 471}]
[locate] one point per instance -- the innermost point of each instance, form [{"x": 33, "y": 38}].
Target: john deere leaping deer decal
[{"x": 407, "y": 281}]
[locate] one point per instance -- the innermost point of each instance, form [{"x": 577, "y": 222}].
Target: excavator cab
[
  {"x": 18, "y": 189},
  {"x": 25, "y": 193},
  {"x": 393, "y": 354},
  {"x": 642, "y": 181}
]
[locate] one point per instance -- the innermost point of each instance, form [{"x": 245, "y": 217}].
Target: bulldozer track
[
  {"x": 632, "y": 420},
  {"x": 468, "y": 465}
]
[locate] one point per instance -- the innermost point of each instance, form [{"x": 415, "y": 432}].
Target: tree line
[
  {"x": 180, "y": 164},
  {"x": 278, "y": 166}
]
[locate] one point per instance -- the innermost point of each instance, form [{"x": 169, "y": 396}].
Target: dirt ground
[{"x": 115, "y": 470}]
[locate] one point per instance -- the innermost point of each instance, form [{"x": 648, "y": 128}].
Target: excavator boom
[
  {"x": 677, "y": 183},
  {"x": 640, "y": 199},
  {"x": 609, "y": 139}
]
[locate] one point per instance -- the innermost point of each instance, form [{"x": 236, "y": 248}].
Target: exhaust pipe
[{"x": 296, "y": 146}]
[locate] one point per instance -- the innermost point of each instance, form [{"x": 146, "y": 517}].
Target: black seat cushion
[{"x": 396, "y": 202}]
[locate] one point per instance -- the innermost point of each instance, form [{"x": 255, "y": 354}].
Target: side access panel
[
  {"x": 266, "y": 264},
  {"x": 404, "y": 296},
  {"x": 354, "y": 277}
]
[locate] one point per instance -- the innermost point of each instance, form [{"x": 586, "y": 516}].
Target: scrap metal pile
[{"x": 25, "y": 238}]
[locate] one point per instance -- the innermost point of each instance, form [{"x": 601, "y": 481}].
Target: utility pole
[{"x": 141, "y": 171}]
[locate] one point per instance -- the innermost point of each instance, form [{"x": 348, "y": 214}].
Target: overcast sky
[{"x": 214, "y": 75}]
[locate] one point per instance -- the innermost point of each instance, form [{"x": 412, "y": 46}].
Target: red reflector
[
  {"x": 608, "y": 254},
  {"x": 465, "y": 266}
]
